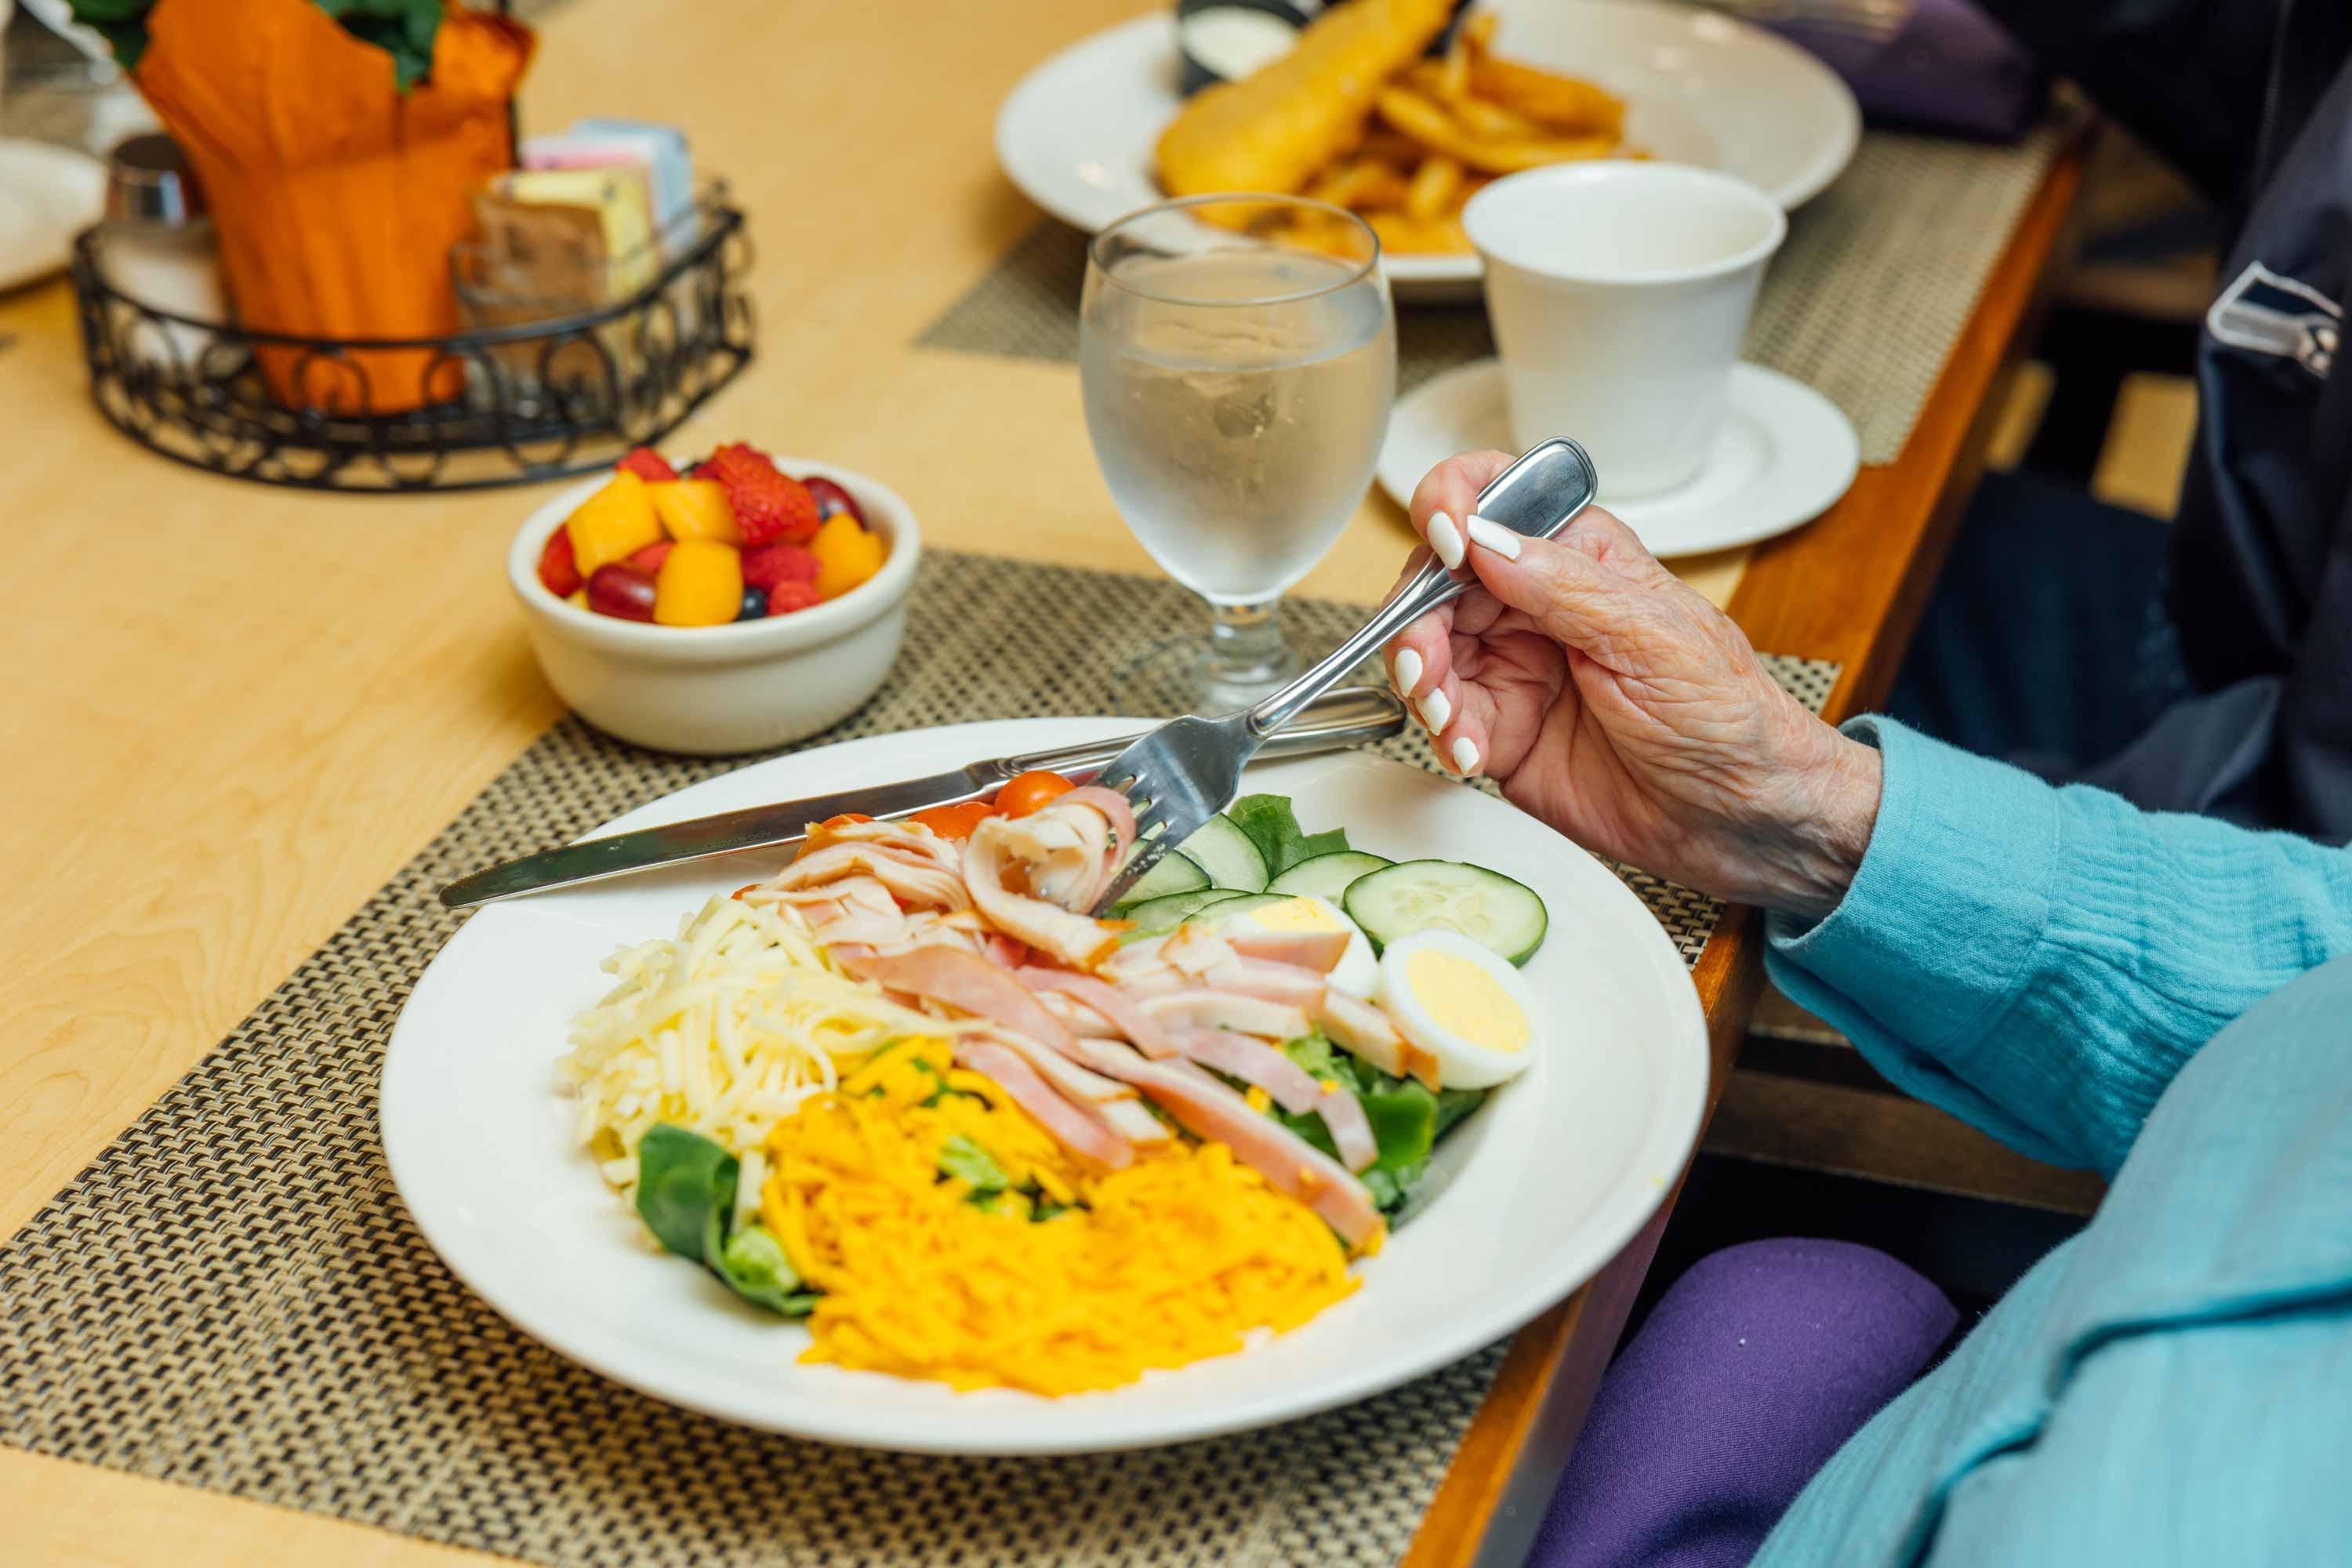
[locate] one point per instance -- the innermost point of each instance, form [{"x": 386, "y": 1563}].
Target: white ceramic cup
[{"x": 1620, "y": 291}]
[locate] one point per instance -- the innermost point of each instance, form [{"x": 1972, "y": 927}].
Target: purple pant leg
[{"x": 1751, "y": 1370}]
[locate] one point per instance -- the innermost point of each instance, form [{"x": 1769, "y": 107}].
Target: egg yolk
[
  {"x": 1464, "y": 1000},
  {"x": 1296, "y": 914}
]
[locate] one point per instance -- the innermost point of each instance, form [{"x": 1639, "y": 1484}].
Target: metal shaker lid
[{"x": 148, "y": 181}]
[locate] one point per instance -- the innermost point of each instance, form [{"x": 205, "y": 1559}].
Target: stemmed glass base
[{"x": 1247, "y": 658}]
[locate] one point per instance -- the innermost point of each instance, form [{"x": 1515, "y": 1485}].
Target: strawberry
[
  {"x": 649, "y": 560},
  {"x": 648, "y": 465},
  {"x": 558, "y": 569},
  {"x": 769, "y": 504},
  {"x": 765, "y": 565},
  {"x": 787, "y": 596}
]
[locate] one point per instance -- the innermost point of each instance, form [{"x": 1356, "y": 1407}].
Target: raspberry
[
  {"x": 648, "y": 465},
  {"x": 787, "y": 596},
  {"x": 769, "y": 504},
  {"x": 765, "y": 565}
]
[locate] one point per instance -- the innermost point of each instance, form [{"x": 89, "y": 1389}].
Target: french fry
[
  {"x": 1392, "y": 147},
  {"x": 1560, "y": 103},
  {"x": 1360, "y": 182},
  {"x": 1425, "y": 121},
  {"x": 1434, "y": 190},
  {"x": 1453, "y": 75},
  {"x": 1494, "y": 122},
  {"x": 1405, "y": 234}
]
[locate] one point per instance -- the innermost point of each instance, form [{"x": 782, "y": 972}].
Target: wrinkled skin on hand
[{"x": 1615, "y": 704}]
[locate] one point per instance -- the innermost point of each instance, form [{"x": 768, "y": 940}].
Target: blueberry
[{"x": 755, "y": 604}]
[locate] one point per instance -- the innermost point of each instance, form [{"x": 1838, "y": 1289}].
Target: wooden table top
[{"x": 237, "y": 710}]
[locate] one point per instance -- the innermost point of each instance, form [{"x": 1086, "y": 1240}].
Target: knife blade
[{"x": 1347, "y": 716}]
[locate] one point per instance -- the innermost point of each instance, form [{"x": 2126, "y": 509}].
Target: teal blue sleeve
[{"x": 2038, "y": 961}]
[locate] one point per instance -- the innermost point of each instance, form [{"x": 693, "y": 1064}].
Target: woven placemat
[
  {"x": 233, "y": 1296},
  {"x": 1877, "y": 278}
]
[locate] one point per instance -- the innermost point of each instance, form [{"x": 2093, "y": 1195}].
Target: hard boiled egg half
[
  {"x": 1357, "y": 972},
  {"x": 1462, "y": 1003}
]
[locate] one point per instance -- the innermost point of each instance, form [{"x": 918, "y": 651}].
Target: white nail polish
[
  {"x": 1435, "y": 709},
  {"x": 1407, "y": 674},
  {"x": 1446, "y": 540},
  {"x": 1465, "y": 756},
  {"x": 1494, "y": 537}
]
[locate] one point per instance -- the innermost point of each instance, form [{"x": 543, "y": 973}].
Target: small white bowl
[{"x": 742, "y": 687}]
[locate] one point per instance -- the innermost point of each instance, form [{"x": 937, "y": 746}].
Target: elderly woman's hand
[{"x": 1614, "y": 703}]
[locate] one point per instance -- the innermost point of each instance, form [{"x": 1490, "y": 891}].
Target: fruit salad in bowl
[
  {"x": 716, "y": 605},
  {"x": 734, "y": 537}
]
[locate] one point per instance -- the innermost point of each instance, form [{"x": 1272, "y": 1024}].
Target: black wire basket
[{"x": 537, "y": 399}]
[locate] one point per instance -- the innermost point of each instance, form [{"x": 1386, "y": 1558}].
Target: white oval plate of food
[
  {"x": 1533, "y": 1192},
  {"x": 1079, "y": 134}
]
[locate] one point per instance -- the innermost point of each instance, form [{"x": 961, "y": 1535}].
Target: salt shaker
[{"x": 156, "y": 250}]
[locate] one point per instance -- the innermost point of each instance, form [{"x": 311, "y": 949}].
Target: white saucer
[
  {"x": 49, "y": 194},
  {"x": 1783, "y": 457}
]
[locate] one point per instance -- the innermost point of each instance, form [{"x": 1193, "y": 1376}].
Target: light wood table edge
[{"x": 1892, "y": 529}]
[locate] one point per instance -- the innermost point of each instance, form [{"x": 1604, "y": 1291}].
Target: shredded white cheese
[{"x": 723, "y": 1030}]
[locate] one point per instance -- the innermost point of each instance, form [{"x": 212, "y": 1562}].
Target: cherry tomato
[
  {"x": 1030, "y": 791},
  {"x": 955, "y": 821}
]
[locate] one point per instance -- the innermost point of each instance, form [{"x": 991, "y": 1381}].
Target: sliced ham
[
  {"x": 1079, "y": 1084},
  {"x": 1226, "y": 1010},
  {"x": 1151, "y": 979},
  {"x": 965, "y": 981},
  {"x": 911, "y": 881},
  {"x": 1364, "y": 1029},
  {"x": 869, "y": 928},
  {"x": 1132, "y": 1021},
  {"x": 1119, "y": 817},
  {"x": 1081, "y": 1131},
  {"x": 1319, "y": 950},
  {"x": 910, "y": 840},
  {"x": 1196, "y": 949},
  {"x": 1210, "y": 1110},
  {"x": 1292, "y": 1087},
  {"x": 1132, "y": 1120},
  {"x": 1003, "y": 851},
  {"x": 1284, "y": 983},
  {"x": 1081, "y": 1018}
]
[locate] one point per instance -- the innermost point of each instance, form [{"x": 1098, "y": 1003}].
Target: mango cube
[
  {"x": 846, "y": 554},
  {"x": 701, "y": 585},
  {"x": 613, "y": 524},
  {"x": 695, "y": 509}
]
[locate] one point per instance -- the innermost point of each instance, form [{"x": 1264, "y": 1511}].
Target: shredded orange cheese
[{"x": 1175, "y": 1258}]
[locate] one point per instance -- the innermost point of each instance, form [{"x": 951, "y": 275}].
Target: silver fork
[{"x": 1188, "y": 770}]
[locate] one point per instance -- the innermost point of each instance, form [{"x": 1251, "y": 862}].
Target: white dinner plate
[
  {"x": 1541, "y": 1186},
  {"x": 1784, "y": 456},
  {"x": 48, "y": 195},
  {"x": 1076, "y": 134}
]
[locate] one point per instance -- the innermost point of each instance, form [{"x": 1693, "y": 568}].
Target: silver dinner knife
[{"x": 1349, "y": 716}]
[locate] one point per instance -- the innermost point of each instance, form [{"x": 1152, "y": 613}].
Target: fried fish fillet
[{"x": 1278, "y": 128}]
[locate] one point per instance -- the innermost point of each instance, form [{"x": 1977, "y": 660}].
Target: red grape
[
  {"x": 615, "y": 590},
  {"x": 831, "y": 498}
]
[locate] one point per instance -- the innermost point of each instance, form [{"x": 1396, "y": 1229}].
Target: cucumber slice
[
  {"x": 1401, "y": 900},
  {"x": 1166, "y": 913},
  {"x": 1327, "y": 876},
  {"x": 1226, "y": 854},
  {"x": 1176, "y": 873}
]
